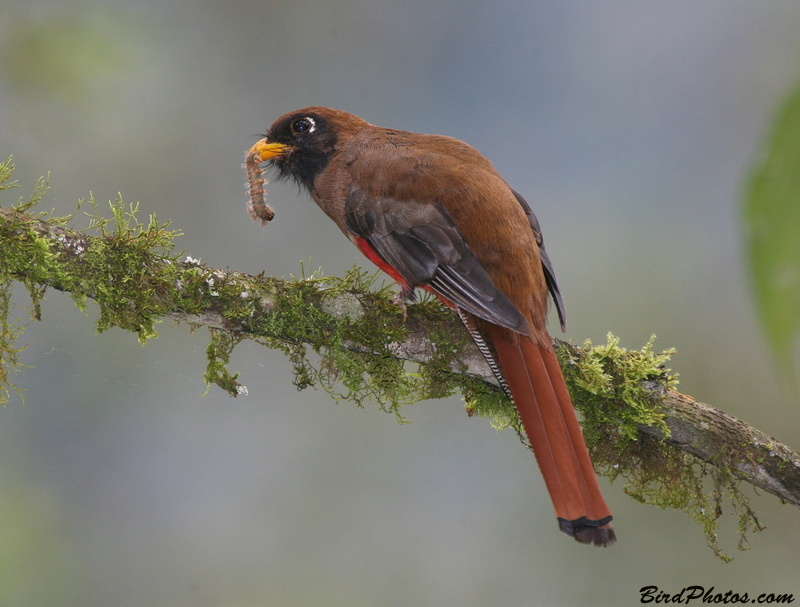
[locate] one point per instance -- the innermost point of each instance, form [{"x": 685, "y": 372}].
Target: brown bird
[{"x": 432, "y": 212}]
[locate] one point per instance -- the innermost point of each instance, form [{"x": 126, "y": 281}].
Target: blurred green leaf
[
  {"x": 67, "y": 52},
  {"x": 772, "y": 223}
]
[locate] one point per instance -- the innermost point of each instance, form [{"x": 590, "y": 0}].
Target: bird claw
[{"x": 400, "y": 301}]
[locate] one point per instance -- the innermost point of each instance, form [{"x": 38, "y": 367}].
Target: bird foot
[{"x": 400, "y": 301}]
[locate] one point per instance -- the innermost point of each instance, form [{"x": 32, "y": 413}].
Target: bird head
[{"x": 299, "y": 144}]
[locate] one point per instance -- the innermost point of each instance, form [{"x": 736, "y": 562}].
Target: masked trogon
[{"x": 433, "y": 213}]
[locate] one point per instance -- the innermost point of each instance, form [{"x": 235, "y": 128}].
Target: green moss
[
  {"x": 12, "y": 325},
  {"x": 610, "y": 373},
  {"x": 11, "y": 328},
  {"x": 218, "y": 352},
  {"x": 369, "y": 373},
  {"x": 129, "y": 264},
  {"x": 128, "y": 269},
  {"x": 618, "y": 391}
]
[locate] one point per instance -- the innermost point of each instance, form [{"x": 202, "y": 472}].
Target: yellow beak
[{"x": 268, "y": 149}]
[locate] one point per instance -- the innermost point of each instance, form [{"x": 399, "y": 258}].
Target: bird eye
[{"x": 303, "y": 125}]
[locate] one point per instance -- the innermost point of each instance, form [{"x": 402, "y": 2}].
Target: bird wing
[
  {"x": 547, "y": 265},
  {"x": 421, "y": 242}
]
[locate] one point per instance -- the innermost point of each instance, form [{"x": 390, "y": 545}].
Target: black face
[{"x": 311, "y": 140}]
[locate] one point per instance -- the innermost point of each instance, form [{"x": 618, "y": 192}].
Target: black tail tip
[
  {"x": 585, "y": 531},
  {"x": 597, "y": 536}
]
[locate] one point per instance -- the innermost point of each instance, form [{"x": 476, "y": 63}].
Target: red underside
[{"x": 370, "y": 254}]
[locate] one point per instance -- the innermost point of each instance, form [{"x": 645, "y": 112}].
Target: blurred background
[{"x": 631, "y": 128}]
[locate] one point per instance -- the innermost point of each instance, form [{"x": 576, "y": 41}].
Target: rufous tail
[{"x": 533, "y": 376}]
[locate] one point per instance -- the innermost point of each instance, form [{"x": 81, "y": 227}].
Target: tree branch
[{"x": 134, "y": 286}]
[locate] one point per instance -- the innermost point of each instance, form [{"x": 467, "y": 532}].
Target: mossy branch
[{"x": 670, "y": 449}]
